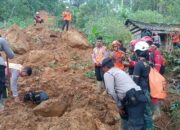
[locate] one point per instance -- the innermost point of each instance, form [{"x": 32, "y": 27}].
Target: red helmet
[
  {"x": 133, "y": 42},
  {"x": 147, "y": 39}
]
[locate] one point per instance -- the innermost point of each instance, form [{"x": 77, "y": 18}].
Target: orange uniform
[
  {"x": 117, "y": 58},
  {"x": 66, "y": 15}
]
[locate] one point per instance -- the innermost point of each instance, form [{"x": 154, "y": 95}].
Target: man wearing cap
[
  {"x": 128, "y": 96},
  {"x": 67, "y": 18}
]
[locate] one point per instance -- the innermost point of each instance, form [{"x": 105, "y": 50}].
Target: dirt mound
[
  {"x": 76, "y": 39},
  {"x": 17, "y": 39},
  {"x": 59, "y": 61},
  {"x": 52, "y": 107}
]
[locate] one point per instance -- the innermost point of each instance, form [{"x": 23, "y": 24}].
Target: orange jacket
[
  {"x": 117, "y": 58},
  {"x": 66, "y": 15}
]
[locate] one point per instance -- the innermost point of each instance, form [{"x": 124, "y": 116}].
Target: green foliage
[
  {"x": 90, "y": 74},
  {"x": 108, "y": 27},
  {"x": 147, "y": 16},
  {"x": 19, "y": 21},
  {"x": 175, "y": 108},
  {"x": 173, "y": 61}
]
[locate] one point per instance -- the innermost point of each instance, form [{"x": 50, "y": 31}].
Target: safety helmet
[
  {"x": 37, "y": 13},
  {"x": 133, "y": 42},
  {"x": 147, "y": 39},
  {"x": 67, "y": 7},
  {"x": 142, "y": 46}
]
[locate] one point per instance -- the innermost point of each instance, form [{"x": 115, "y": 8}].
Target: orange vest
[
  {"x": 66, "y": 15},
  {"x": 99, "y": 53},
  {"x": 116, "y": 56}
]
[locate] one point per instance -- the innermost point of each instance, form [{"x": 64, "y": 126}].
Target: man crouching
[
  {"x": 129, "y": 97},
  {"x": 16, "y": 71}
]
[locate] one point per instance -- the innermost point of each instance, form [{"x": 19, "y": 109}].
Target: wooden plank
[
  {"x": 136, "y": 31},
  {"x": 132, "y": 29}
]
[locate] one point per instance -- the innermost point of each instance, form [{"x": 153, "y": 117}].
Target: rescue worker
[
  {"x": 140, "y": 77},
  {"x": 100, "y": 52},
  {"x": 10, "y": 54},
  {"x": 67, "y": 18},
  {"x": 16, "y": 71},
  {"x": 133, "y": 57},
  {"x": 175, "y": 38},
  {"x": 128, "y": 96},
  {"x": 155, "y": 54},
  {"x": 37, "y": 19},
  {"x": 157, "y": 61},
  {"x": 117, "y": 55}
]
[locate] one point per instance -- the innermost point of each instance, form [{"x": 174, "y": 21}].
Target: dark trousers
[
  {"x": 66, "y": 23},
  {"x": 2, "y": 79},
  {"x": 99, "y": 73},
  {"x": 136, "y": 117},
  {"x": 134, "y": 104}
]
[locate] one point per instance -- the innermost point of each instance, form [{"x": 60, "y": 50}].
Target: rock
[
  {"x": 17, "y": 39},
  {"x": 52, "y": 107},
  {"x": 76, "y": 39}
]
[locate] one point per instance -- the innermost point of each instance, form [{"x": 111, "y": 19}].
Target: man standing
[
  {"x": 128, "y": 96},
  {"x": 117, "y": 55},
  {"x": 17, "y": 71},
  {"x": 67, "y": 18},
  {"x": 10, "y": 54},
  {"x": 100, "y": 52}
]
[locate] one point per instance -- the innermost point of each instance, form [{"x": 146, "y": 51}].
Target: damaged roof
[{"x": 136, "y": 26}]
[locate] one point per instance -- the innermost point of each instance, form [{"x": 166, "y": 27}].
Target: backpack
[
  {"x": 157, "y": 84},
  {"x": 36, "y": 97}
]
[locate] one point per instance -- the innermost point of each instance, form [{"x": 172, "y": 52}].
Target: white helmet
[
  {"x": 67, "y": 7},
  {"x": 142, "y": 46},
  {"x": 37, "y": 13}
]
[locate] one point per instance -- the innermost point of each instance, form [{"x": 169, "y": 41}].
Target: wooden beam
[
  {"x": 131, "y": 30},
  {"x": 136, "y": 31}
]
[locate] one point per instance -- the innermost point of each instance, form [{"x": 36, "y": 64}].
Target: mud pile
[{"x": 59, "y": 61}]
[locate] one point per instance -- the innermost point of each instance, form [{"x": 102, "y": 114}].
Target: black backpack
[{"x": 36, "y": 97}]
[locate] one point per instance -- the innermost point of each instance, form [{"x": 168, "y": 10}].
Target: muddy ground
[{"x": 59, "y": 61}]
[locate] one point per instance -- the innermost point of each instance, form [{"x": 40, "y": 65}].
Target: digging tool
[{"x": 8, "y": 78}]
